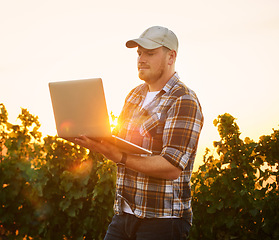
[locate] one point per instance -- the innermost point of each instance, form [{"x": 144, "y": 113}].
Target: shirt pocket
[{"x": 153, "y": 125}]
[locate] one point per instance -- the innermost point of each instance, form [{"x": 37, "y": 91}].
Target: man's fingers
[
  {"x": 102, "y": 146},
  {"x": 89, "y": 143}
]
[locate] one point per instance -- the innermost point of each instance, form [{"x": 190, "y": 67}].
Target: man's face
[{"x": 152, "y": 64}]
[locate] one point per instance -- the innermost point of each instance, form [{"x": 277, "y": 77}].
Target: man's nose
[{"x": 141, "y": 59}]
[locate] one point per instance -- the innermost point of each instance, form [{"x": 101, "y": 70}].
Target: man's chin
[{"x": 142, "y": 76}]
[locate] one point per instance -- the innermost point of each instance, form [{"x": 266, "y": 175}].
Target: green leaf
[
  {"x": 233, "y": 165},
  {"x": 211, "y": 209},
  {"x": 65, "y": 204},
  {"x": 71, "y": 212},
  {"x": 229, "y": 222},
  {"x": 253, "y": 212},
  {"x": 66, "y": 185},
  {"x": 219, "y": 205}
]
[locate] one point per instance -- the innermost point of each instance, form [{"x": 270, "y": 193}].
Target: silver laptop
[{"x": 79, "y": 108}]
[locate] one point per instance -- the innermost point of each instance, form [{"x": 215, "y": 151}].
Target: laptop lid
[{"x": 79, "y": 108}]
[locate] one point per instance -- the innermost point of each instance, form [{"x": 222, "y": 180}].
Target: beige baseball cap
[{"x": 155, "y": 37}]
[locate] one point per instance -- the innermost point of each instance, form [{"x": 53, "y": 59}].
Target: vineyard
[{"x": 53, "y": 189}]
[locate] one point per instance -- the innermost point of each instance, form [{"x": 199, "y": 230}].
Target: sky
[{"x": 228, "y": 54}]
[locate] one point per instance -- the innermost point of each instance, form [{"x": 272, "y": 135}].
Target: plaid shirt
[{"x": 169, "y": 126}]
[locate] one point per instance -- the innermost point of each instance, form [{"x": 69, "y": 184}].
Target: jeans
[{"x": 128, "y": 227}]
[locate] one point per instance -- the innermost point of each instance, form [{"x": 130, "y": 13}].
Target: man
[{"x": 153, "y": 197}]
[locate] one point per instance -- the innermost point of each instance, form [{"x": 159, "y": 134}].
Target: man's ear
[{"x": 172, "y": 57}]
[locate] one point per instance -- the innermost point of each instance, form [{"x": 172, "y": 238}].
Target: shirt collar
[
  {"x": 171, "y": 83},
  {"x": 144, "y": 88}
]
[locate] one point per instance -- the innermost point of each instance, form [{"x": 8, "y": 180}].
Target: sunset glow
[{"x": 228, "y": 54}]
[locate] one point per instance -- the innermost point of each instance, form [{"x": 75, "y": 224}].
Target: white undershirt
[{"x": 149, "y": 97}]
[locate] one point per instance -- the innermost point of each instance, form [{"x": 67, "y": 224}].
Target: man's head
[
  {"x": 155, "y": 37},
  {"x": 157, "y": 49}
]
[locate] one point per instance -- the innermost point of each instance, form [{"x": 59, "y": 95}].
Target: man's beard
[{"x": 151, "y": 77}]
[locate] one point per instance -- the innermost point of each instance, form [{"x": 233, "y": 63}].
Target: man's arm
[{"x": 154, "y": 166}]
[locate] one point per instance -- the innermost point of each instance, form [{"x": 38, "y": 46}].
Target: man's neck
[{"x": 158, "y": 85}]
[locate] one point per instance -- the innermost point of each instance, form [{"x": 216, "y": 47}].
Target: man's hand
[{"x": 107, "y": 149}]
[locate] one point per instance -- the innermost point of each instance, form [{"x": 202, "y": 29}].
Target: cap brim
[{"x": 143, "y": 42}]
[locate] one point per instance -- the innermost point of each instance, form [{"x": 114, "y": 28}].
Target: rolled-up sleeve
[{"x": 182, "y": 130}]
